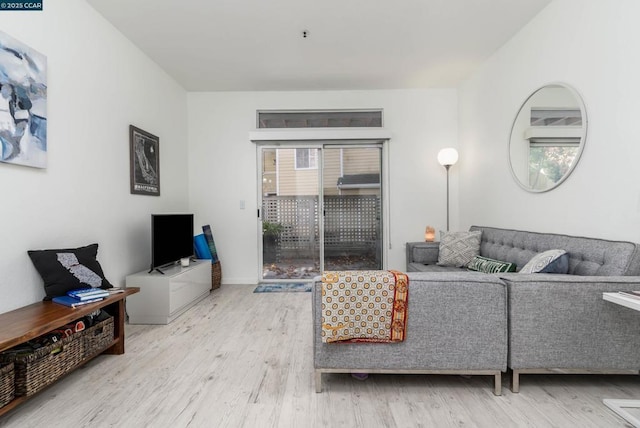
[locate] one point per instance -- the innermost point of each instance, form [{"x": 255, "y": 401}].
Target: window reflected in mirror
[{"x": 547, "y": 138}]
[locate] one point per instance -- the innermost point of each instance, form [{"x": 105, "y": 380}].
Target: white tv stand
[{"x": 162, "y": 298}]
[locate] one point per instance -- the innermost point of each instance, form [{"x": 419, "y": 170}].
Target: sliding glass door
[
  {"x": 320, "y": 209},
  {"x": 352, "y": 207},
  {"x": 290, "y": 213}
]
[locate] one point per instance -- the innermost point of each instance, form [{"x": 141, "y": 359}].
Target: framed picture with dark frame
[{"x": 144, "y": 149}]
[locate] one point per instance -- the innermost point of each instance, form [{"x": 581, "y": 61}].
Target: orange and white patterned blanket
[{"x": 364, "y": 306}]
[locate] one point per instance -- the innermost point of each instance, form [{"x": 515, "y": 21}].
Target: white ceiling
[{"x": 258, "y": 45}]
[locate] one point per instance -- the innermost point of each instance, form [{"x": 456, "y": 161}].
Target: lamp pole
[
  {"x": 447, "y": 168},
  {"x": 446, "y": 158}
]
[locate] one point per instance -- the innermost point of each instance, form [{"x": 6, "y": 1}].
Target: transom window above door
[{"x": 320, "y": 119}]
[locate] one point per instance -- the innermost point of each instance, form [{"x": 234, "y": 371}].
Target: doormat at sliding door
[{"x": 283, "y": 287}]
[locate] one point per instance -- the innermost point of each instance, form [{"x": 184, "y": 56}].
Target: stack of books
[
  {"x": 633, "y": 294},
  {"x": 81, "y": 297}
]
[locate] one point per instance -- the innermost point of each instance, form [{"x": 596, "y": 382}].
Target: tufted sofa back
[{"x": 587, "y": 256}]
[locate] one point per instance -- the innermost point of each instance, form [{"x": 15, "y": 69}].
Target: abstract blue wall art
[{"x": 23, "y": 104}]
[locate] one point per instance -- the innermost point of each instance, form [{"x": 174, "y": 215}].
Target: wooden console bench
[{"x": 28, "y": 322}]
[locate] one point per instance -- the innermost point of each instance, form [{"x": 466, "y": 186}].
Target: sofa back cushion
[{"x": 587, "y": 256}]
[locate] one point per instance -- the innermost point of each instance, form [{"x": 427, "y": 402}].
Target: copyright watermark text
[{"x": 20, "y": 5}]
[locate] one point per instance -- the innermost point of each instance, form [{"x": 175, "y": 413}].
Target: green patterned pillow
[
  {"x": 458, "y": 248},
  {"x": 487, "y": 265}
]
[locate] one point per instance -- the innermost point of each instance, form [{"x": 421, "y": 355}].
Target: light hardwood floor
[{"x": 240, "y": 359}]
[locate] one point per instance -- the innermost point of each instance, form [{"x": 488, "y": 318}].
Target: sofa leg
[
  {"x": 515, "y": 381},
  {"x": 318, "y": 381},
  {"x": 497, "y": 387}
]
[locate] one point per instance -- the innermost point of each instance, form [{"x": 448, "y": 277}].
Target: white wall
[
  {"x": 593, "y": 46},
  {"x": 223, "y": 167},
  {"x": 98, "y": 84}
]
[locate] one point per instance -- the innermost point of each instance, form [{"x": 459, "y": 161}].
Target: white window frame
[
  {"x": 279, "y": 137},
  {"x": 311, "y": 157}
]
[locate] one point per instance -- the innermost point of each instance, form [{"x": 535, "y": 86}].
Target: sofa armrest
[
  {"x": 422, "y": 252},
  {"x": 562, "y": 321}
]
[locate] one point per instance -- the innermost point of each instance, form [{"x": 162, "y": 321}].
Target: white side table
[{"x": 620, "y": 406}]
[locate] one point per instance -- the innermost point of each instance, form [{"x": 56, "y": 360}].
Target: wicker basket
[
  {"x": 216, "y": 275},
  {"x": 97, "y": 338},
  {"x": 35, "y": 370},
  {"x": 7, "y": 384}
]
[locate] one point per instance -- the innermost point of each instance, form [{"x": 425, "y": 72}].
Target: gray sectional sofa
[
  {"x": 457, "y": 324},
  {"x": 560, "y": 323},
  {"x": 465, "y": 322}
]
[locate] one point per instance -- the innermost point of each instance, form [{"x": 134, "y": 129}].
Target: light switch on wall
[{"x": 241, "y": 204}]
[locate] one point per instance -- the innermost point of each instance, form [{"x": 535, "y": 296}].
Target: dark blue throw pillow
[{"x": 559, "y": 265}]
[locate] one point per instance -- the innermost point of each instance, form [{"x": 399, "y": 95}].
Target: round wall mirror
[{"x": 547, "y": 137}]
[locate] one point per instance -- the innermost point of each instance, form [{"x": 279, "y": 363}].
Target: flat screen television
[{"x": 171, "y": 239}]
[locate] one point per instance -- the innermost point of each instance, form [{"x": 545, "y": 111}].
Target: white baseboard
[{"x": 239, "y": 281}]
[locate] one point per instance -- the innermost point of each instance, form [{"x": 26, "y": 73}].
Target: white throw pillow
[
  {"x": 458, "y": 248},
  {"x": 546, "y": 262}
]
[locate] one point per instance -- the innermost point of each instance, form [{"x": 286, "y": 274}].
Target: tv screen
[{"x": 171, "y": 238}]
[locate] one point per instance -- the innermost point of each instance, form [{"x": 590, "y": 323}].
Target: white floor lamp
[{"x": 446, "y": 158}]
